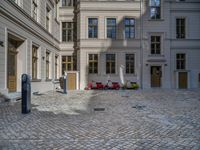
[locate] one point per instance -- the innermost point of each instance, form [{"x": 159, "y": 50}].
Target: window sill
[
  {"x": 156, "y": 55},
  {"x": 48, "y": 80},
  {"x": 156, "y": 20},
  {"x": 68, "y": 42},
  {"x": 36, "y": 80}
]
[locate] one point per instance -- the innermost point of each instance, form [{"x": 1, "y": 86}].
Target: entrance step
[{"x": 15, "y": 96}]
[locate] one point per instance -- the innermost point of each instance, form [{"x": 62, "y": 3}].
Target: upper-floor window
[
  {"x": 111, "y": 28},
  {"x": 155, "y": 9},
  {"x": 93, "y": 63},
  {"x": 34, "y": 62},
  {"x": 92, "y": 27},
  {"x": 47, "y": 65},
  {"x": 34, "y": 9},
  {"x": 130, "y": 63},
  {"x": 155, "y": 45},
  {"x": 180, "y": 28},
  {"x": 110, "y": 63},
  {"x": 67, "y": 2},
  {"x": 129, "y": 28},
  {"x": 67, "y": 31},
  {"x": 180, "y": 61},
  {"x": 48, "y": 18}
]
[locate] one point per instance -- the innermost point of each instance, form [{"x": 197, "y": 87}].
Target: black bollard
[{"x": 26, "y": 93}]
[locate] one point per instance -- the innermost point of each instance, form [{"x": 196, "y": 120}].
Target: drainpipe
[{"x": 141, "y": 47}]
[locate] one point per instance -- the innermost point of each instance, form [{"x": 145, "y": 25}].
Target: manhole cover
[
  {"x": 139, "y": 107},
  {"x": 99, "y": 109}
]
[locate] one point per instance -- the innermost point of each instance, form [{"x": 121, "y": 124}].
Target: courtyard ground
[{"x": 104, "y": 120}]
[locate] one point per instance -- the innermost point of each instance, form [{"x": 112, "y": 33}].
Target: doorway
[
  {"x": 13, "y": 44},
  {"x": 182, "y": 80},
  {"x": 156, "y": 74},
  {"x": 71, "y": 82}
]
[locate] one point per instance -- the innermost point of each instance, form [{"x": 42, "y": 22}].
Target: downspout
[{"x": 141, "y": 47}]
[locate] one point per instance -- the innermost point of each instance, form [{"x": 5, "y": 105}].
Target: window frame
[
  {"x": 56, "y": 66},
  {"x": 48, "y": 16},
  {"x": 129, "y": 62},
  {"x": 93, "y": 28},
  {"x": 35, "y": 9},
  {"x": 129, "y": 26},
  {"x": 159, "y": 7},
  {"x": 155, "y": 45},
  {"x": 110, "y": 64},
  {"x": 65, "y": 4},
  {"x": 111, "y": 26},
  {"x": 48, "y": 64},
  {"x": 181, "y": 62},
  {"x": 180, "y": 36},
  {"x": 93, "y": 61},
  {"x": 67, "y": 29},
  {"x": 35, "y": 62}
]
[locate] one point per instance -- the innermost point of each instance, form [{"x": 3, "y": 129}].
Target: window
[
  {"x": 155, "y": 45},
  {"x": 68, "y": 63},
  {"x": 48, "y": 19},
  {"x": 180, "y": 61},
  {"x": 93, "y": 63},
  {"x": 34, "y": 62},
  {"x": 67, "y": 31},
  {"x": 34, "y": 9},
  {"x": 47, "y": 64},
  {"x": 68, "y": 3},
  {"x": 130, "y": 63},
  {"x": 92, "y": 27},
  {"x": 111, "y": 28},
  {"x": 155, "y": 9},
  {"x": 56, "y": 10},
  {"x": 56, "y": 67},
  {"x": 129, "y": 28},
  {"x": 180, "y": 28},
  {"x": 110, "y": 63}
]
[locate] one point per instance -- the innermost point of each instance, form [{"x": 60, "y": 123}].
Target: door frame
[
  {"x": 161, "y": 69},
  {"x": 15, "y": 55},
  {"x": 177, "y": 78}
]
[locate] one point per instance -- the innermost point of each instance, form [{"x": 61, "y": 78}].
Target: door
[
  {"x": 156, "y": 74},
  {"x": 12, "y": 68},
  {"x": 71, "y": 81},
  {"x": 182, "y": 80}
]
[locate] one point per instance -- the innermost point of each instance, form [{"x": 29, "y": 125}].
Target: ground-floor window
[
  {"x": 56, "y": 67},
  {"x": 130, "y": 63},
  {"x": 110, "y": 63},
  {"x": 93, "y": 63},
  {"x": 34, "y": 62},
  {"x": 68, "y": 63},
  {"x": 47, "y": 65}
]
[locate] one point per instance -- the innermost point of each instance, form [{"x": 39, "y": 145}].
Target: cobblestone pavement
[{"x": 141, "y": 120}]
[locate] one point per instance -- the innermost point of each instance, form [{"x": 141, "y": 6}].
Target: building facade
[{"x": 155, "y": 43}]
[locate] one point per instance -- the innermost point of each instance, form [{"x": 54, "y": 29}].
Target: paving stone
[{"x": 145, "y": 120}]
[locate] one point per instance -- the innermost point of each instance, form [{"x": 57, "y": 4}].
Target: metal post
[{"x": 26, "y": 93}]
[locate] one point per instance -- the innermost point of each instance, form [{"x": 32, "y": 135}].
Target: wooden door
[
  {"x": 71, "y": 81},
  {"x": 156, "y": 74},
  {"x": 12, "y": 69},
  {"x": 182, "y": 80}
]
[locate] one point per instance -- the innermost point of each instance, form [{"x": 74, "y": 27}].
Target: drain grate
[
  {"x": 99, "y": 109},
  {"x": 139, "y": 107}
]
